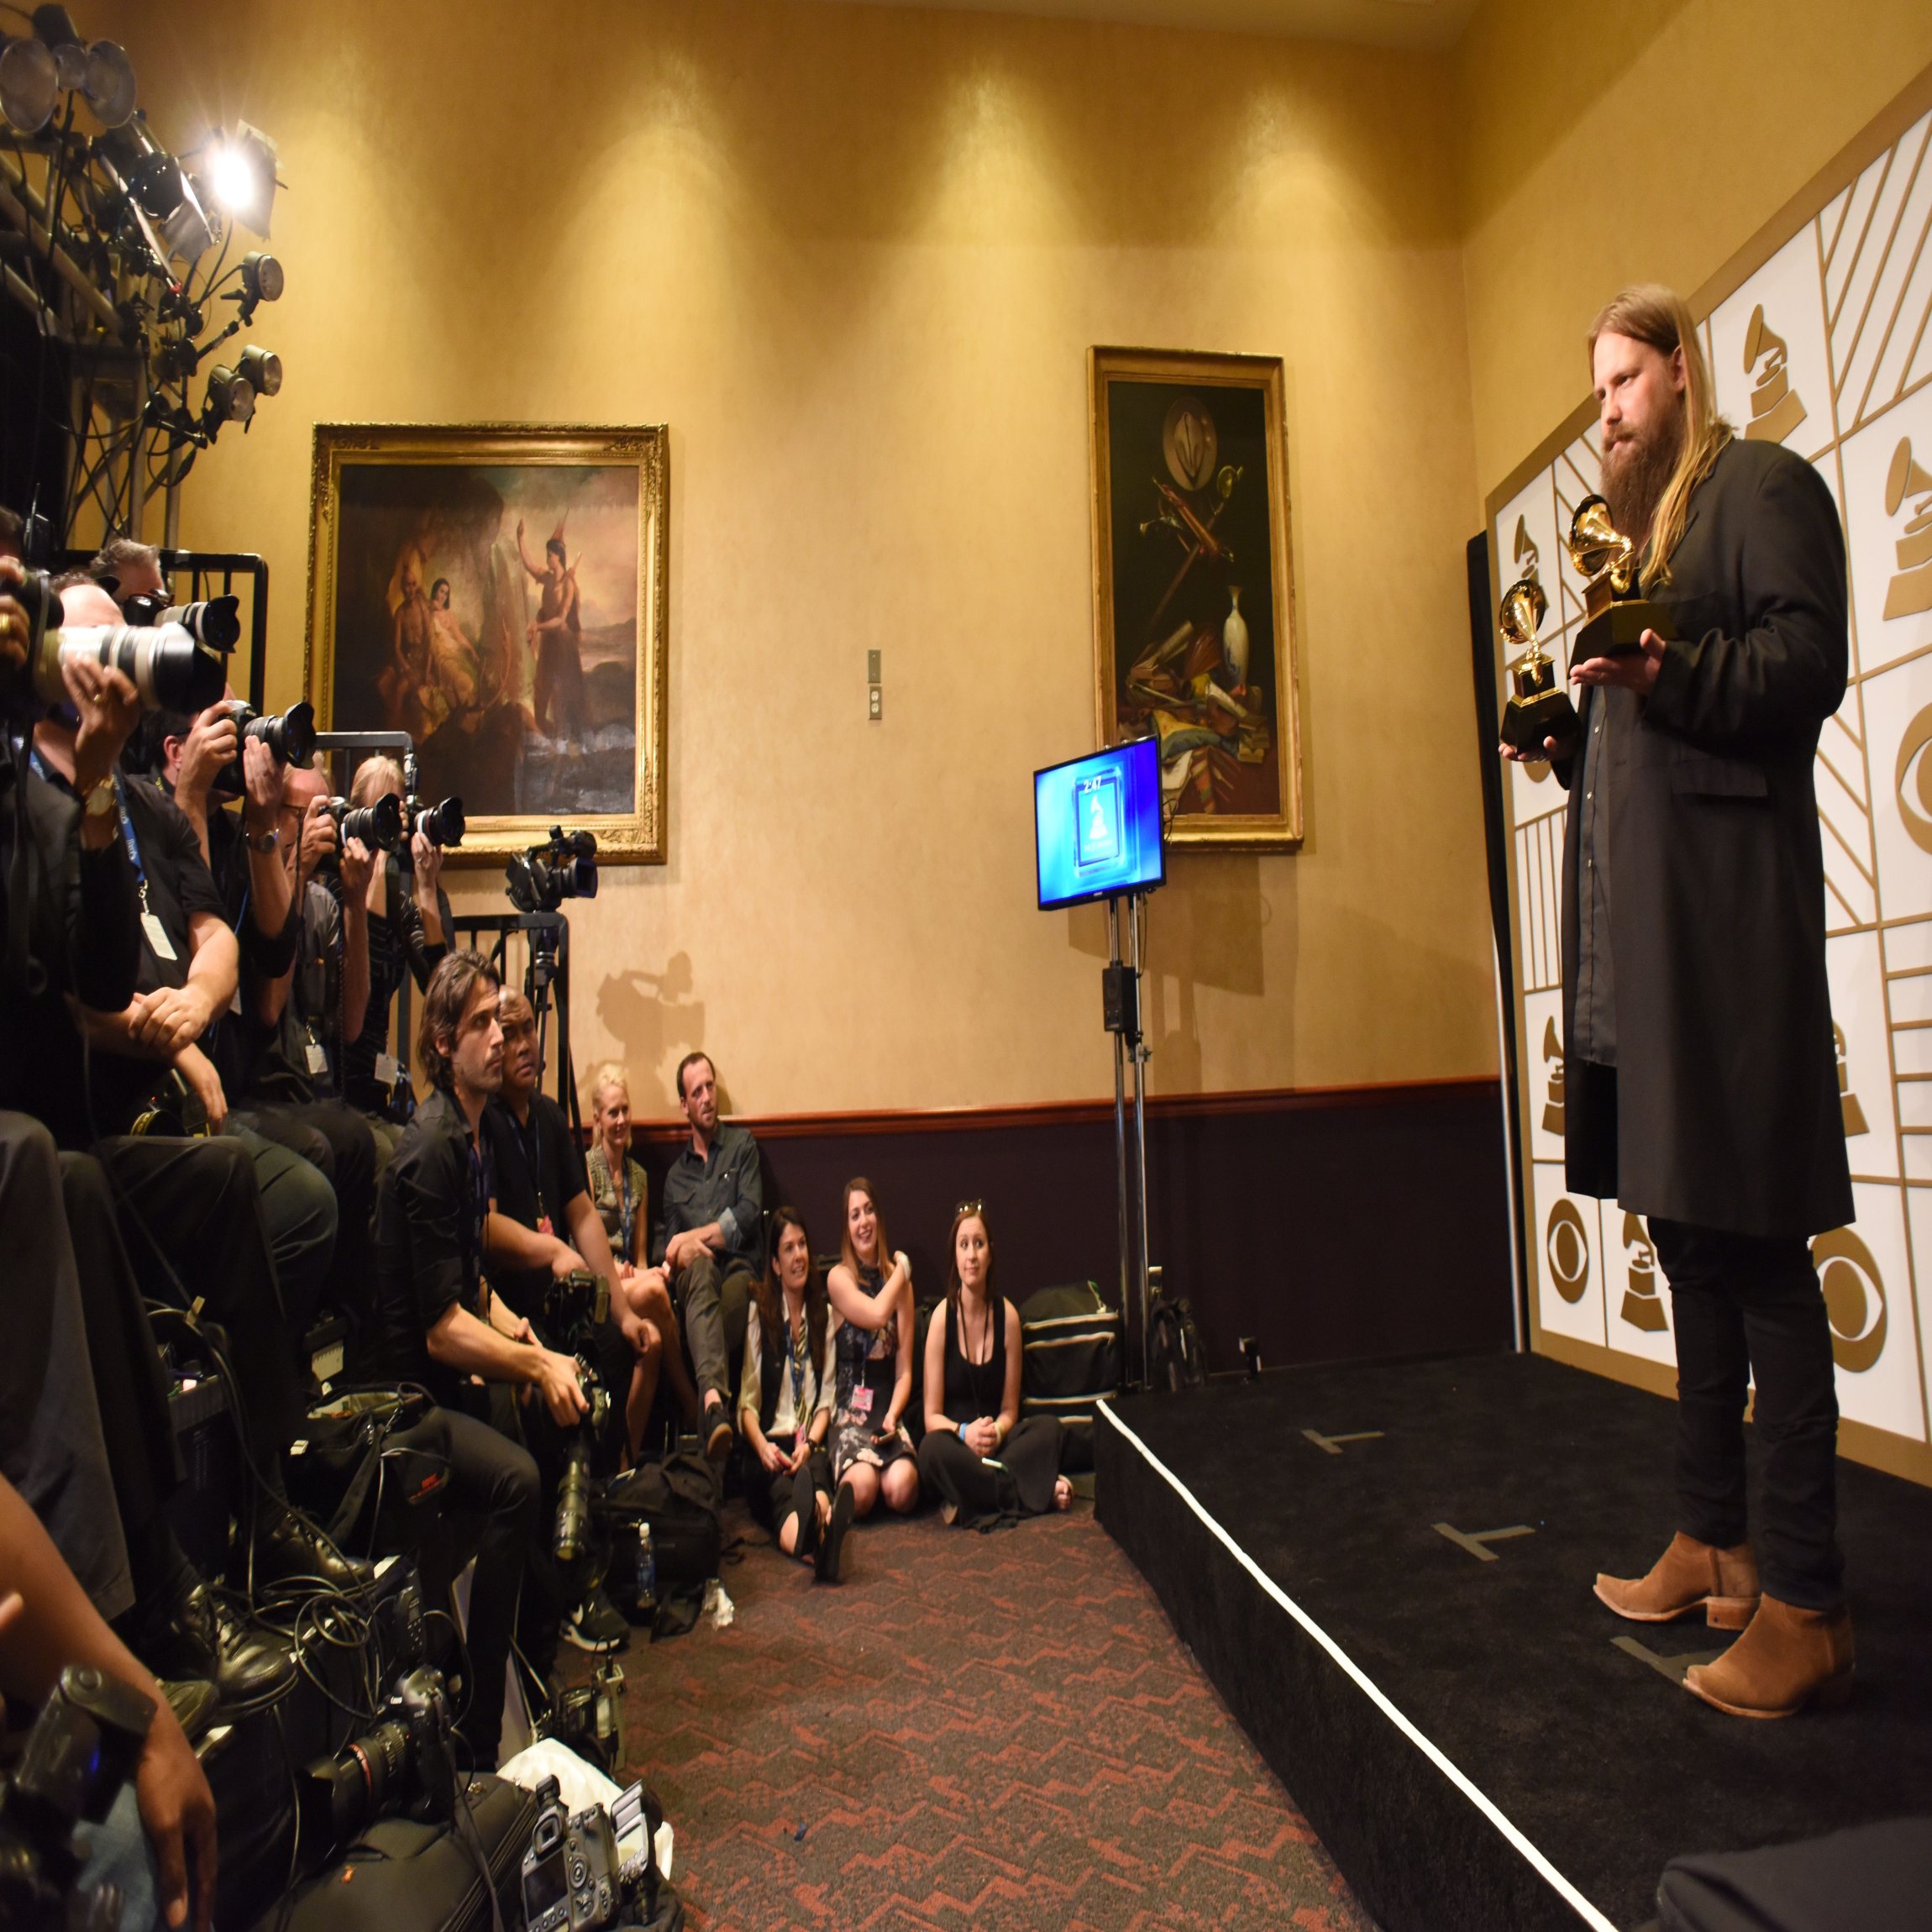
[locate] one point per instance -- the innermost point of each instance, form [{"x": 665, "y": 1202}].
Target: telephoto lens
[
  {"x": 290, "y": 735},
  {"x": 442, "y": 824},
  {"x": 378, "y": 826},
  {"x": 215, "y": 621},
  {"x": 169, "y": 670}
]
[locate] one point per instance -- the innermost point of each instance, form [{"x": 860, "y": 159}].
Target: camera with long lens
[
  {"x": 404, "y": 1766},
  {"x": 378, "y": 826},
  {"x": 575, "y": 1308},
  {"x": 84, "y": 1746},
  {"x": 289, "y": 735},
  {"x": 213, "y": 620},
  {"x": 168, "y": 667},
  {"x": 564, "y": 867},
  {"x": 442, "y": 824},
  {"x": 593, "y": 1868}
]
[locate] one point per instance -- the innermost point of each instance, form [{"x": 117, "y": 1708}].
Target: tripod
[{"x": 1121, "y": 1000}]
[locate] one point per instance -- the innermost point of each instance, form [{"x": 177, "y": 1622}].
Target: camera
[
  {"x": 442, "y": 824},
  {"x": 169, "y": 669},
  {"x": 84, "y": 1746},
  {"x": 575, "y": 1308},
  {"x": 405, "y": 1765},
  {"x": 546, "y": 875},
  {"x": 594, "y": 1868},
  {"x": 215, "y": 621},
  {"x": 289, "y": 735},
  {"x": 378, "y": 826}
]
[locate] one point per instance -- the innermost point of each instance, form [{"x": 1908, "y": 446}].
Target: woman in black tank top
[{"x": 988, "y": 1467}]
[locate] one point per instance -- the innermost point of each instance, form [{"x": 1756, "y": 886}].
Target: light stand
[{"x": 1120, "y": 1003}]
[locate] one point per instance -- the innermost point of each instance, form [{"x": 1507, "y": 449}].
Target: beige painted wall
[
  {"x": 855, "y": 257},
  {"x": 1639, "y": 140}
]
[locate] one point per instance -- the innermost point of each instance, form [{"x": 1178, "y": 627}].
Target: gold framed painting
[
  {"x": 498, "y": 591},
  {"x": 1193, "y": 612}
]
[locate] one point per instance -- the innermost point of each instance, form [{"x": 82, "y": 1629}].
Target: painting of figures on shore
[
  {"x": 498, "y": 595},
  {"x": 1194, "y": 643}
]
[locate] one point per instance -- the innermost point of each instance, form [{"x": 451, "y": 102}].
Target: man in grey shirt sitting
[{"x": 710, "y": 1242}]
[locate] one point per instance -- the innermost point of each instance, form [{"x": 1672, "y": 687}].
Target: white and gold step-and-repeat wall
[{"x": 1824, "y": 346}]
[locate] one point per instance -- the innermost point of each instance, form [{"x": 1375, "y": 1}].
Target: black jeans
[
  {"x": 52, "y": 1448},
  {"x": 190, "y": 1214},
  {"x": 1748, "y": 1307}
]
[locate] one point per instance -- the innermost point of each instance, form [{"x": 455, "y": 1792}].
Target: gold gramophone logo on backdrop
[
  {"x": 1854, "y": 1298},
  {"x": 1553, "y": 1065},
  {"x": 1775, "y": 408},
  {"x": 1910, "y": 592},
  {"x": 1643, "y": 1306},
  {"x": 1854, "y": 1120},
  {"x": 1607, "y": 561},
  {"x": 1567, "y": 1250}
]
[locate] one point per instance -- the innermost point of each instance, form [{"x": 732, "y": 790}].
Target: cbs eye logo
[
  {"x": 1854, "y": 1298},
  {"x": 1567, "y": 1248}
]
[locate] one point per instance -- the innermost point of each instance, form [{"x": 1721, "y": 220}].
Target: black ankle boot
[
  {"x": 195, "y": 1637},
  {"x": 805, "y": 1501},
  {"x": 286, "y": 1550}
]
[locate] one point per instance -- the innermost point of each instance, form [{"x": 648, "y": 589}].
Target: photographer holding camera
[{"x": 437, "y": 1324}]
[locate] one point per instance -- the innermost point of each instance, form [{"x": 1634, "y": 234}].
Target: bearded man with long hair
[{"x": 1699, "y": 1067}]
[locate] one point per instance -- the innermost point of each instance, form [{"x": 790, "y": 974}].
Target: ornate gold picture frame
[
  {"x": 499, "y": 590},
  {"x": 1193, "y": 609}
]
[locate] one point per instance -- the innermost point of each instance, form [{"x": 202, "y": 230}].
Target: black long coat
[{"x": 1725, "y": 1109}]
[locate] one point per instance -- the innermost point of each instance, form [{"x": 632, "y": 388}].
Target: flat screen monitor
[{"x": 1097, "y": 825}]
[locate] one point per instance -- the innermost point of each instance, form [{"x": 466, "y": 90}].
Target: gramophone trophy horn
[
  {"x": 1607, "y": 561},
  {"x": 1538, "y": 708}
]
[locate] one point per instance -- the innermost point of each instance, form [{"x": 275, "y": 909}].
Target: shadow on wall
[
  {"x": 1205, "y": 928},
  {"x": 656, "y": 1022}
]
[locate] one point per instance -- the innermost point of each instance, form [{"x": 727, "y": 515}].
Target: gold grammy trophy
[
  {"x": 1538, "y": 708},
  {"x": 1607, "y": 561}
]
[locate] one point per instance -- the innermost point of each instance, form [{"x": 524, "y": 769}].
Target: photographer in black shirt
[{"x": 437, "y": 1324}]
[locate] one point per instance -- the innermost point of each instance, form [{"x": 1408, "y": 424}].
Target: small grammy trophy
[
  {"x": 1538, "y": 708},
  {"x": 1607, "y": 561}
]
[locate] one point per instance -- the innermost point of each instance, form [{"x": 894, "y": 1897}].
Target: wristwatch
[
  {"x": 99, "y": 798},
  {"x": 262, "y": 841}
]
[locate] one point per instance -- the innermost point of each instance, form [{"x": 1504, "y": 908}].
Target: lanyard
[
  {"x": 798, "y": 1367},
  {"x": 626, "y": 1208},
  {"x": 128, "y": 838},
  {"x": 479, "y": 1178}
]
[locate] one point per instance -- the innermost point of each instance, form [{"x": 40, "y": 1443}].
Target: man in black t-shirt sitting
[{"x": 436, "y": 1323}]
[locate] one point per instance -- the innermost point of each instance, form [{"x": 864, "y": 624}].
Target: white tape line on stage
[{"x": 1572, "y": 1897}]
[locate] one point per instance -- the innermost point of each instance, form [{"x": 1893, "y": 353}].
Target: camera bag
[
  {"x": 682, "y": 1499},
  {"x": 1174, "y": 1346},
  {"x": 1071, "y": 1352},
  {"x": 403, "y": 1872},
  {"x": 367, "y": 1463}
]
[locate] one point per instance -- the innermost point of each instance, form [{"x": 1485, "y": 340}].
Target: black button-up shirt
[{"x": 727, "y": 1188}]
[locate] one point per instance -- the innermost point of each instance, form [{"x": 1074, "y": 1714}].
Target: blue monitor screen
[{"x": 1097, "y": 822}]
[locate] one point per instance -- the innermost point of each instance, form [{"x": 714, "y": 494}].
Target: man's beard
[{"x": 1636, "y": 472}]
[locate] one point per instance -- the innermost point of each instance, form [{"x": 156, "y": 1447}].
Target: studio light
[
  {"x": 30, "y": 85},
  {"x": 260, "y": 370},
  {"x": 109, "y": 86},
  {"x": 241, "y": 175},
  {"x": 54, "y": 28},
  {"x": 262, "y": 279},
  {"x": 231, "y": 397}
]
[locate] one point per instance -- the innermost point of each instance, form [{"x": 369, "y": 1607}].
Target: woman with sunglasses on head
[
  {"x": 989, "y": 1467},
  {"x": 871, "y": 1292},
  {"x": 785, "y": 1403}
]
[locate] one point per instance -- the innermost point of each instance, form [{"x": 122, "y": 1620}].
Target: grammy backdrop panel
[{"x": 1819, "y": 337}]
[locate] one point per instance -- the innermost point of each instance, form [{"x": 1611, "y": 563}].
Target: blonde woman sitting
[{"x": 871, "y": 1291}]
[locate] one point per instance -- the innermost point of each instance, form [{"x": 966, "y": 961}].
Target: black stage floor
[{"x": 1458, "y": 1716}]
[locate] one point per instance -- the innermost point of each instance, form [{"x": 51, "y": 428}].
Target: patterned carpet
[{"x": 974, "y": 1732}]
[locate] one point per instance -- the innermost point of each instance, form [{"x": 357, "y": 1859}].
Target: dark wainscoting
[{"x": 1328, "y": 1224}]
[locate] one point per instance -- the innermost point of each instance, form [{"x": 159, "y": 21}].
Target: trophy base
[
  {"x": 1619, "y": 628},
  {"x": 1527, "y": 722}
]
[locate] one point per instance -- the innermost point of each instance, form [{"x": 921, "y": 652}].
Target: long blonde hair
[{"x": 1649, "y": 313}]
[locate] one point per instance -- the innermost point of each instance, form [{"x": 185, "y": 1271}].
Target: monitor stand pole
[{"x": 1120, "y": 988}]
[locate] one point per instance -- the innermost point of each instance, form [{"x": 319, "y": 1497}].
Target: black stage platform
[{"x": 1385, "y": 1569}]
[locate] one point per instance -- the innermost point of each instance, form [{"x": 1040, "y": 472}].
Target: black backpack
[
  {"x": 682, "y": 1499},
  {"x": 1071, "y": 1347}
]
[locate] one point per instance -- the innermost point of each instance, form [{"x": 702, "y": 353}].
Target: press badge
[
  {"x": 317, "y": 1058},
  {"x": 159, "y": 943},
  {"x": 388, "y": 1069},
  {"x": 861, "y": 1400}
]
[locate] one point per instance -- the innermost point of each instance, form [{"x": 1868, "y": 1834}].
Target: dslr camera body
[
  {"x": 405, "y": 1766},
  {"x": 84, "y": 1746},
  {"x": 593, "y": 1869},
  {"x": 575, "y": 1308},
  {"x": 169, "y": 668},
  {"x": 564, "y": 867}
]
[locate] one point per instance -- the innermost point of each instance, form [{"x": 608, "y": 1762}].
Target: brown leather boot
[
  {"x": 1689, "y": 1576},
  {"x": 1787, "y": 1659}
]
